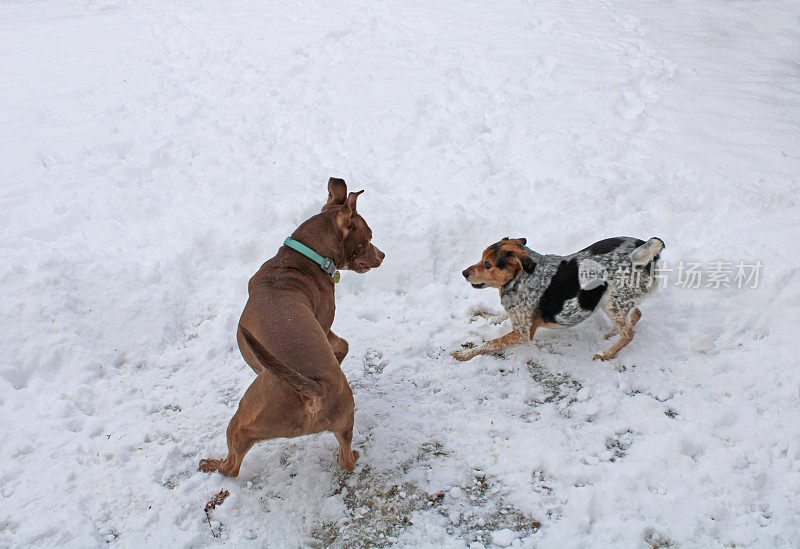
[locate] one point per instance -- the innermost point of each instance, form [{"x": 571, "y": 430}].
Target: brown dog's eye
[{"x": 487, "y": 265}]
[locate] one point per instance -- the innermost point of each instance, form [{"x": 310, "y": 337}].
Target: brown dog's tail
[{"x": 306, "y": 387}]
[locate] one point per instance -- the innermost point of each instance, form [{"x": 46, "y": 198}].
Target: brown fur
[
  {"x": 285, "y": 336},
  {"x": 523, "y": 328},
  {"x": 499, "y": 264},
  {"x": 504, "y": 260},
  {"x": 624, "y": 327}
]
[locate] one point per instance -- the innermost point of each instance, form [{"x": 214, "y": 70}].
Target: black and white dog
[{"x": 614, "y": 274}]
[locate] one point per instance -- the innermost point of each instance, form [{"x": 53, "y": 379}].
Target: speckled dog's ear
[
  {"x": 521, "y": 259},
  {"x": 528, "y": 264}
]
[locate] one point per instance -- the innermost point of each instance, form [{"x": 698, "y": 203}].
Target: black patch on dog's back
[
  {"x": 563, "y": 286},
  {"x": 604, "y": 246},
  {"x": 588, "y": 299}
]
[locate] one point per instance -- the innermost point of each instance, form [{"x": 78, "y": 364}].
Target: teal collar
[{"x": 325, "y": 263}]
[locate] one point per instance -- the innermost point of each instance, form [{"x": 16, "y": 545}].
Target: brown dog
[{"x": 285, "y": 336}]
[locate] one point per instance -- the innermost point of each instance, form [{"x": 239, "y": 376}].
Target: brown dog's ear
[
  {"x": 345, "y": 213},
  {"x": 337, "y": 193},
  {"x": 352, "y": 198},
  {"x": 520, "y": 241}
]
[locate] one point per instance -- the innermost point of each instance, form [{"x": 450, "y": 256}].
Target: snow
[
  {"x": 503, "y": 538},
  {"x": 154, "y": 154}
]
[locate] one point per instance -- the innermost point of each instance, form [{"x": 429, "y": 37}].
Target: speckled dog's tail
[{"x": 647, "y": 252}]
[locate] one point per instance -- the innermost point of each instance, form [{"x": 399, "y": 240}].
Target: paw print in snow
[{"x": 373, "y": 361}]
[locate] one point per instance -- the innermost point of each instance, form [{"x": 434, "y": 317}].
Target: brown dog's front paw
[
  {"x": 462, "y": 355},
  {"x": 209, "y": 465},
  {"x": 602, "y": 357}
]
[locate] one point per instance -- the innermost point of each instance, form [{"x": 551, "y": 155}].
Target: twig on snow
[{"x": 212, "y": 504}]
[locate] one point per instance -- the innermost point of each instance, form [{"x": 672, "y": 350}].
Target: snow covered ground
[{"x": 154, "y": 154}]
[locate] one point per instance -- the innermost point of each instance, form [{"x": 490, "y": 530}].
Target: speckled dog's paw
[
  {"x": 477, "y": 313},
  {"x": 486, "y": 314},
  {"x": 462, "y": 355}
]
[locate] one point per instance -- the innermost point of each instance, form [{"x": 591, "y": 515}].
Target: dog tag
[{"x": 336, "y": 277}]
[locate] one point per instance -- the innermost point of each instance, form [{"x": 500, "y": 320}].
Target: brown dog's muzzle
[{"x": 372, "y": 259}]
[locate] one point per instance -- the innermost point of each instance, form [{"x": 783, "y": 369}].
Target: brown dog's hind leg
[
  {"x": 238, "y": 445},
  {"x": 267, "y": 410},
  {"x": 625, "y": 326},
  {"x": 339, "y": 346},
  {"x": 277, "y": 404},
  {"x": 346, "y": 456}
]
